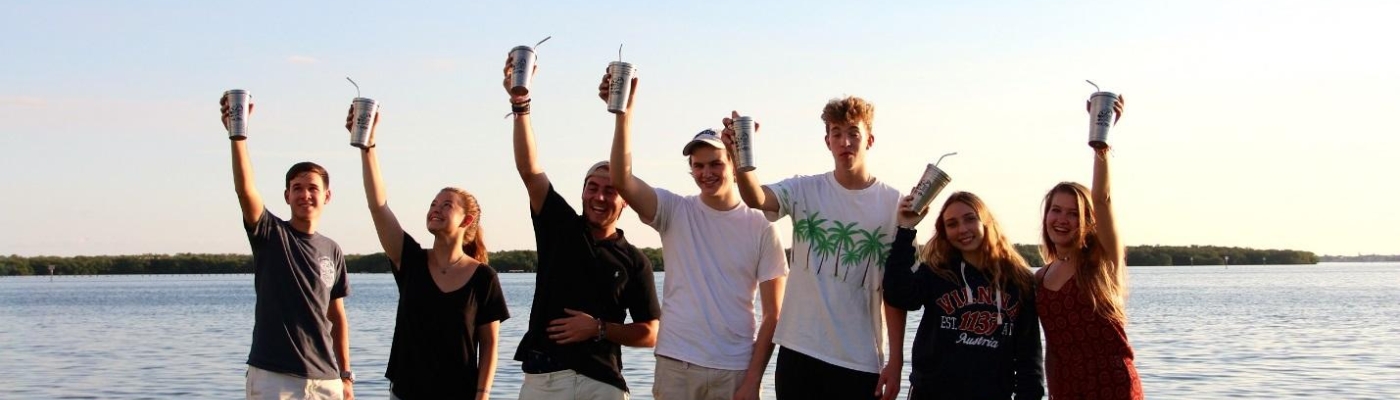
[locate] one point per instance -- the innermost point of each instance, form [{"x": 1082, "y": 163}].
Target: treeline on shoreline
[
  {"x": 1362, "y": 258},
  {"x": 192, "y": 263},
  {"x": 524, "y": 261}
]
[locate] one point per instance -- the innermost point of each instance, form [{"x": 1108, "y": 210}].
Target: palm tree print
[
  {"x": 823, "y": 247},
  {"x": 805, "y": 229},
  {"x": 872, "y": 249},
  {"x": 840, "y": 237}
]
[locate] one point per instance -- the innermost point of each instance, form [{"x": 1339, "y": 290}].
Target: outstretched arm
[
  {"x": 249, "y": 200},
  {"x": 386, "y": 225},
  {"x": 640, "y": 196},
  {"x": 754, "y": 194},
  {"x": 536, "y": 183}
]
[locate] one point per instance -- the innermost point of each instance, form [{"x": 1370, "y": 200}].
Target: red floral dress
[{"x": 1086, "y": 356}]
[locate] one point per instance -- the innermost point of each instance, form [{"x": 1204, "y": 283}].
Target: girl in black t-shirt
[{"x": 450, "y": 302}]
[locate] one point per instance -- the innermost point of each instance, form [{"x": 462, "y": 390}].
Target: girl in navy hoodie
[{"x": 979, "y": 337}]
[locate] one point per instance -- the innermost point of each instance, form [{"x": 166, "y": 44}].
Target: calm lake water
[{"x": 1325, "y": 331}]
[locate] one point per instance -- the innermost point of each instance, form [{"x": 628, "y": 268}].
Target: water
[{"x": 1326, "y": 331}]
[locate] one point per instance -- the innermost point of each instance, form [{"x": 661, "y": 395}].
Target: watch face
[{"x": 347, "y": 375}]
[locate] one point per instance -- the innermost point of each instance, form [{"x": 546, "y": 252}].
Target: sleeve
[
  {"x": 640, "y": 293},
  {"x": 410, "y": 256},
  {"x": 554, "y": 210},
  {"x": 904, "y": 288},
  {"x": 787, "y": 191},
  {"x": 1030, "y": 366},
  {"x": 665, "y": 203},
  {"x": 772, "y": 259},
  {"x": 342, "y": 280},
  {"x": 493, "y": 302},
  {"x": 263, "y": 229}
]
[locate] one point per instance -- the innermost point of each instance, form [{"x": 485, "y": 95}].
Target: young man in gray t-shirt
[{"x": 301, "y": 346}]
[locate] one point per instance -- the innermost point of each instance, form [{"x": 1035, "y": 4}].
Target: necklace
[{"x": 449, "y": 265}]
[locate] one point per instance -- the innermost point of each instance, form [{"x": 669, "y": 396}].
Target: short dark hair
[{"x": 305, "y": 167}]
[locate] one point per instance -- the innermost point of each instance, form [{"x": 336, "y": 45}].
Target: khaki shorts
[
  {"x": 267, "y": 385},
  {"x": 567, "y": 385},
  {"x": 680, "y": 380}
]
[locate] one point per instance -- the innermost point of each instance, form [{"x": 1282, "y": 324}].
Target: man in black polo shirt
[
  {"x": 587, "y": 280},
  {"x": 301, "y": 340}
]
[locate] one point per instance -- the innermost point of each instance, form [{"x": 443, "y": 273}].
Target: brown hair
[
  {"x": 1004, "y": 264},
  {"x": 1102, "y": 278},
  {"x": 472, "y": 242},
  {"x": 305, "y": 167},
  {"x": 849, "y": 110}
]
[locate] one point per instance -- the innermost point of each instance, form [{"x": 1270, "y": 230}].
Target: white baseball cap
[{"x": 708, "y": 137}]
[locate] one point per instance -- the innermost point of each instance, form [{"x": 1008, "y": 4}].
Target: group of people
[{"x": 836, "y": 315}]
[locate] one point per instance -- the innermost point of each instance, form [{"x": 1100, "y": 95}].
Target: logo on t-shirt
[{"x": 327, "y": 270}]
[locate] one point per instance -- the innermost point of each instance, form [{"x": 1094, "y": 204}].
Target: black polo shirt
[{"x": 604, "y": 278}]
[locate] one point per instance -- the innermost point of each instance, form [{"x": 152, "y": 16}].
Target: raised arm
[
  {"x": 249, "y": 200},
  {"x": 536, "y": 183},
  {"x": 386, "y": 225},
  {"x": 1103, "y": 200},
  {"x": 755, "y": 195},
  {"x": 640, "y": 196}
]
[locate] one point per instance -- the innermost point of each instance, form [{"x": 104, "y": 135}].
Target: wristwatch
[{"x": 347, "y": 376}]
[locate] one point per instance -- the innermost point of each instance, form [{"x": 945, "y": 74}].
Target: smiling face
[
  {"x": 306, "y": 193},
  {"x": 710, "y": 169},
  {"x": 447, "y": 214},
  {"x": 601, "y": 204},
  {"x": 963, "y": 227},
  {"x": 1067, "y": 214}
]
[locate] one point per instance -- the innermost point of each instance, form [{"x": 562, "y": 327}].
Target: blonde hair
[
  {"x": 1103, "y": 279},
  {"x": 472, "y": 242},
  {"x": 849, "y": 110},
  {"x": 1004, "y": 265}
]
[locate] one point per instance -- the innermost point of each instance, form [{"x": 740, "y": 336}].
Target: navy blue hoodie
[{"x": 986, "y": 346}]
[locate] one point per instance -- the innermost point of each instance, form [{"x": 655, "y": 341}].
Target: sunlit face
[
  {"x": 601, "y": 203},
  {"x": 848, "y": 143},
  {"x": 447, "y": 213},
  {"x": 307, "y": 194},
  {"x": 1062, "y": 219},
  {"x": 710, "y": 169},
  {"x": 964, "y": 227}
]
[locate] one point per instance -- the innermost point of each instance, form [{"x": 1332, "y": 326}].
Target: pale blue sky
[{"x": 1250, "y": 123}]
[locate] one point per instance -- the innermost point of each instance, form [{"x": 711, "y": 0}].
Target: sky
[{"x": 1265, "y": 124}]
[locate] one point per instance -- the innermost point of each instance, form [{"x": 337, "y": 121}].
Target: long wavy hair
[
  {"x": 1102, "y": 278},
  {"x": 1004, "y": 265},
  {"x": 472, "y": 242}
]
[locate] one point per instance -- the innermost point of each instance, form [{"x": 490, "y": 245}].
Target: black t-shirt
[
  {"x": 434, "y": 354},
  {"x": 296, "y": 276},
  {"x": 604, "y": 278}
]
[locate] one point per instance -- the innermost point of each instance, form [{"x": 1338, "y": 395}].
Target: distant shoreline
[{"x": 524, "y": 261}]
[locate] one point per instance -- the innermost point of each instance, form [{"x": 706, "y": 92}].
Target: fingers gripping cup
[
  {"x": 743, "y": 143},
  {"x": 933, "y": 182},
  {"x": 620, "y": 87},
  {"x": 522, "y": 69},
  {"x": 362, "y": 122},
  {"x": 238, "y": 100}
]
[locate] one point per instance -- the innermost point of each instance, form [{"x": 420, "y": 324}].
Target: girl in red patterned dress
[{"x": 1081, "y": 292}]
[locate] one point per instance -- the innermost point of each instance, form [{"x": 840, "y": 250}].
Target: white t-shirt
[
  {"x": 714, "y": 263},
  {"x": 841, "y": 238}
]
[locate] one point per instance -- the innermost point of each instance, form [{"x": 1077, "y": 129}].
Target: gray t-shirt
[{"x": 296, "y": 277}]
